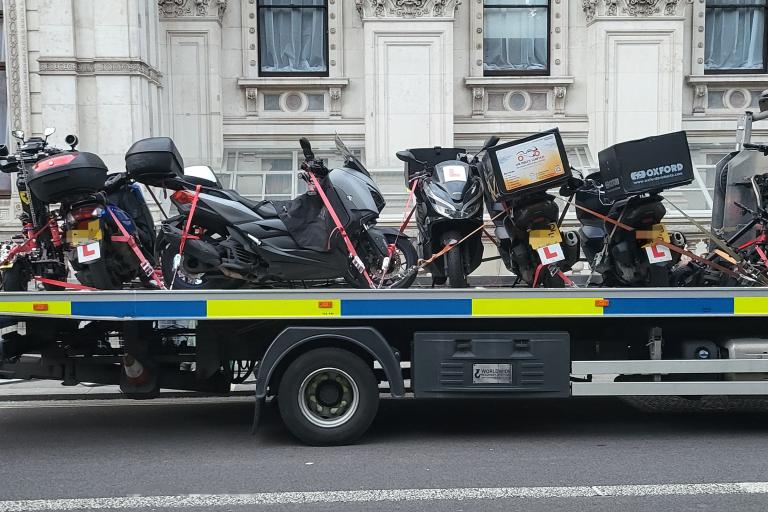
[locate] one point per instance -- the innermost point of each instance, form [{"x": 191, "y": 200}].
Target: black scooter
[
  {"x": 621, "y": 256},
  {"x": 235, "y": 241},
  {"x": 449, "y": 201}
]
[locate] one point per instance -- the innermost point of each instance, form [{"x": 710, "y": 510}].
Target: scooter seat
[{"x": 265, "y": 209}]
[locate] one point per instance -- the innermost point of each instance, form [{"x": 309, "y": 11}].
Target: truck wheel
[{"x": 328, "y": 396}]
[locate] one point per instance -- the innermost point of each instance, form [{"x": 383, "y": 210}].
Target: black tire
[
  {"x": 97, "y": 275},
  {"x": 454, "y": 262},
  {"x": 405, "y": 258},
  {"x": 183, "y": 282},
  {"x": 326, "y": 378},
  {"x": 16, "y": 278}
]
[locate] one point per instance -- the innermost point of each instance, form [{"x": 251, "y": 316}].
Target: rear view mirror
[
  {"x": 407, "y": 157},
  {"x": 306, "y": 147},
  {"x": 489, "y": 143},
  {"x": 19, "y": 134},
  {"x": 49, "y": 131},
  {"x": 201, "y": 173}
]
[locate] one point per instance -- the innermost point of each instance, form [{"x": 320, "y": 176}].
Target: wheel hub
[{"x": 328, "y": 397}]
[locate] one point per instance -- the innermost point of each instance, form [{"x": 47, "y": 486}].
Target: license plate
[
  {"x": 539, "y": 238},
  {"x": 85, "y": 236},
  {"x": 88, "y": 252},
  {"x": 656, "y": 233}
]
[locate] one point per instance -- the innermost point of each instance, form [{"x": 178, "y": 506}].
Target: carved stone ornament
[
  {"x": 182, "y": 8},
  {"x": 595, "y": 9},
  {"x": 590, "y": 8},
  {"x": 407, "y": 8}
]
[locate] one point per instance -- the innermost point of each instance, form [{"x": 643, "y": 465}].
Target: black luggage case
[
  {"x": 154, "y": 160},
  {"x": 646, "y": 165},
  {"x": 67, "y": 175}
]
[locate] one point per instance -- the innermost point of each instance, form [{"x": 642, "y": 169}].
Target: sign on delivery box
[{"x": 534, "y": 163}]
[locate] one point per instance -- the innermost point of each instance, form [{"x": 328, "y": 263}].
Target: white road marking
[{"x": 383, "y": 495}]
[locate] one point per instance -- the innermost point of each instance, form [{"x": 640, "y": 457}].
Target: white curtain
[
  {"x": 515, "y": 39},
  {"x": 734, "y": 36},
  {"x": 292, "y": 40}
]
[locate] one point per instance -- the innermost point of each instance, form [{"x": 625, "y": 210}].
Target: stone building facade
[{"x": 237, "y": 82}]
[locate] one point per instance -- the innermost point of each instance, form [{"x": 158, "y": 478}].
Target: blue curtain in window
[
  {"x": 734, "y": 35},
  {"x": 292, "y": 39},
  {"x": 515, "y": 36}
]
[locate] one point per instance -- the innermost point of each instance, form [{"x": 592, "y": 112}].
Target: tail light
[
  {"x": 52, "y": 162},
  {"x": 183, "y": 197},
  {"x": 84, "y": 213}
]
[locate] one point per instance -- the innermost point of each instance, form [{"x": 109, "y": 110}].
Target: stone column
[
  {"x": 191, "y": 53},
  {"x": 96, "y": 72},
  {"x": 636, "y": 74},
  {"x": 408, "y": 76}
]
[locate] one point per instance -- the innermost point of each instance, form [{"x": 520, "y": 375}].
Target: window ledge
[
  {"x": 520, "y": 81},
  {"x": 746, "y": 78},
  {"x": 293, "y": 81}
]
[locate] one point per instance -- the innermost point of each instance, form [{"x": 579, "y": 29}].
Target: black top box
[
  {"x": 154, "y": 160},
  {"x": 431, "y": 157},
  {"x": 532, "y": 164},
  {"x": 646, "y": 165},
  {"x": 67, "y": 175}
]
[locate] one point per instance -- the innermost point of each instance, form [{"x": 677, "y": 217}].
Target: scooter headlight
[{"x": 441, "y": 206}]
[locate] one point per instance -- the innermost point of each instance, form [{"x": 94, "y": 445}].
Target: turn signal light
[
  {"x": 39, "y": 307},
  {"x": 183, "y": 197}
]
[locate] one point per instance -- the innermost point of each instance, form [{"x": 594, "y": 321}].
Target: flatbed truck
[{"x": 327, "y": 355}]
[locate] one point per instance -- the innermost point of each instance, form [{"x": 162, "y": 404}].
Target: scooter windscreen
[{"x": 349, "y": 159}]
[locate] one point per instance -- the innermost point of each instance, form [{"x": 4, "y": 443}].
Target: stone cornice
[
  {"x": 406, "y": 9},
  {"x": 196, "y": 9},
  {"x": 69, "y": 66}
]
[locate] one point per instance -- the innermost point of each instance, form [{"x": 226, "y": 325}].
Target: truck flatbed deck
[{"x": 326, "y": 354}]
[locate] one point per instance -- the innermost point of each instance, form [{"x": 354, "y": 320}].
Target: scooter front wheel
[
  {"x": 401, "y": 272},
  {"x": 454, "y": 262}
]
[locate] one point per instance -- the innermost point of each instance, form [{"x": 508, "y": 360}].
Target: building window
[
  {"x": 293, "y": 37},
  {"x": 516, "y": 37},
  {"x": 735, "y": 36}
]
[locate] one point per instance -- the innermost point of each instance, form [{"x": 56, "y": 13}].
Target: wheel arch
[{"x": 294, "y": 341}]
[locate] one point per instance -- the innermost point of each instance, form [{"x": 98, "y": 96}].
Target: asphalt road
[{"x": 589, "y": 454}]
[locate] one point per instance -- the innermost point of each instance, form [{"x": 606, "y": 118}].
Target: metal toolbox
[{"x": 493, "y": 364}]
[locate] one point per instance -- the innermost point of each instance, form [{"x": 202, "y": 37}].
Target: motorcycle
[
  {"x": 449, "y": 200},
  {"x": 625, "y": 254},
  {"x": 38, "y": 250},
  {"x": 221, "y": 239},
  {"x": 526, "y": 217}
]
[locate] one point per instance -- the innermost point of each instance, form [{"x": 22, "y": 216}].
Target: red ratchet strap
[
  {"x": 406, "y": 221},
  {"x": 64, "y": 284},
  {"x": 669, "y": 246},
  {"x": 28, "y": 245},
  {"x": 185, "y": 234},
  {"x": 145, "y": 265},
  {"x": 351, "y": 248},
  {"x": 761, "y": 252}
]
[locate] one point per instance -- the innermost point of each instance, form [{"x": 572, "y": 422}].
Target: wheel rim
[
  {"x": 395, "y": 272},
  {"x": 328, "y": 397}
]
